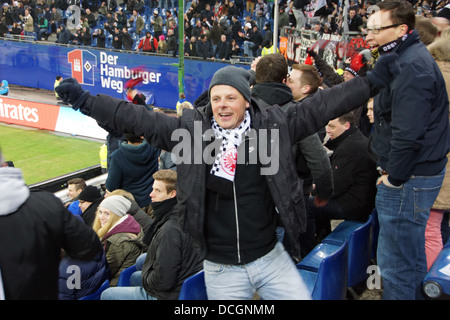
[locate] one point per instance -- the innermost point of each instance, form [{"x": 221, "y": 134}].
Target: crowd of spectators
[{"x": 247, "y": 26}]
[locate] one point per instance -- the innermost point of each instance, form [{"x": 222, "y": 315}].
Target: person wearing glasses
[{"x": 410, "y": 143}]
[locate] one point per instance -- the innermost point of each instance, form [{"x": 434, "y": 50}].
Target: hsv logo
[{"x": 83, "y": 63}]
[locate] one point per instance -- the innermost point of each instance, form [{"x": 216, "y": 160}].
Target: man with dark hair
[
  {"x": 204, "y": 47},
  {"x": 311, "y": 159},
  {"x": 253, "y": 41},
  {"x": 58, "y": 79},
  {"x": 410, "y": 142},
  {"x": 355, "y": 21},
  {"x": 354, "y": 177}
]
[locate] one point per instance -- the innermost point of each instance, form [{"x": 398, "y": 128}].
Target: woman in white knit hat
[{"x": 120, "y": 234}]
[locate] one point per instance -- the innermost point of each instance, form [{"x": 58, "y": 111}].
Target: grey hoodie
[{"x": 13, "y": 190}]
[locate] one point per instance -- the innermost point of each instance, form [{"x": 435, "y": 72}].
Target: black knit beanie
[
  {"x": 235, "y": 77},
  {"x": 90, "y": 194}
]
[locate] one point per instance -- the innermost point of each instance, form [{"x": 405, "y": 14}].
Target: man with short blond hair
[{"x": 303, "y": 80}]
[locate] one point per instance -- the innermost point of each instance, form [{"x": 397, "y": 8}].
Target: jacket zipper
[{"x": 237, "y": 224}]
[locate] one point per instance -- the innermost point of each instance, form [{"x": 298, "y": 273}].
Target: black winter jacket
[
  {"x": 171, "y": 257},
  {"x": 312, "y": 162},
  {"x": 32, "y": 234},
  {"x": 354, "y": 174}
]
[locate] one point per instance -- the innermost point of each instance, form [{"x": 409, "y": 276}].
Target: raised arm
[
  {"x": 310, "y": 115},
  {"x": 121, "y": 115}
]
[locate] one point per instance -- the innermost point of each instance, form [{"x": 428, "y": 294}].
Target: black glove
[
  {"x": 386, "y": 69},
  {"x": 71, "y": 91},
  {"x": 311, "y": 53}
]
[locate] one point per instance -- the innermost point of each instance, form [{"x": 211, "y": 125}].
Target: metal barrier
[{"x": 60, "y": 183}]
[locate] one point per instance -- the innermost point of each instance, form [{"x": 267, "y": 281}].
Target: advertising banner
[
  {"x": 334, "y": 49},
  {"x": 49, "y": 117},
  {"x": 27, "y": 113},
  {"x": 105, "y": 72}
]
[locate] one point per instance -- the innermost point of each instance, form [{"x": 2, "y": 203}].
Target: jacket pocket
[{"x": 297, "y": 194}]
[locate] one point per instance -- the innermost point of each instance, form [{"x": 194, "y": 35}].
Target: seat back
[
  {"x": 325, "y": 272},
  {"x": 194, "y": 288},
  {"x": 125, "y": 275},
  {"x": 359, "y": 252},
  {"x": 332, "y": 279},
  {"x": 96, "y": 295},
  {"x": 358, "y": 236},
  {"x": 437, "y": 280}
]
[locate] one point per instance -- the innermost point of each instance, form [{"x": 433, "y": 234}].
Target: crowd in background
[{"x": 212, "y": 29}]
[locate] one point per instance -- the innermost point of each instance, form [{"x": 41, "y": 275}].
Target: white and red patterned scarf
[{"x": 225, "y": 163}]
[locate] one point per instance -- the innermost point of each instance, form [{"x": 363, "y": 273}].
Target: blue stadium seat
[
  {"x": 324, "y": 271},
  {"x": 358, "y": 236},
  {"x": 96, "y": 295},
  {"x": 437, "y": 281},
  {"x": 125, "y": 275},
  {"x": 194, "y": 288}
]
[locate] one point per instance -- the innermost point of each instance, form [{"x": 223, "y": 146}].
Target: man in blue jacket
[{"x": 410, "y": 141}]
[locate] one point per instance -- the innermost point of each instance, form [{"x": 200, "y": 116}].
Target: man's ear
[
  {"x": 306, "y": 88},
  {"x": 173, "y": 194},
  {"x": 347, "y": 125},
  {"x": 402, "y": 30}
]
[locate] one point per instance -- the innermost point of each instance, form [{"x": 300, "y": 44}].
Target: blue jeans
[
  {"x": 248, "y": 48},
  {"x": 273, "y": 276},
  {"x": 126, "y": 293},
  {"x": 403, "y": 214},
  {"x": 135, "y": 292},
  {"x": 136, "y": 277}
]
